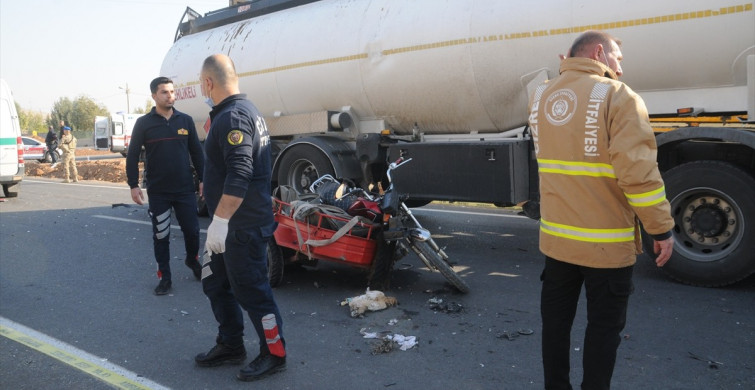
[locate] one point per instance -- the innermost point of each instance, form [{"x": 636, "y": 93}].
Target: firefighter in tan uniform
[
  {"x": 599, "y": 178},
  {"x": 68, "y": 145}
]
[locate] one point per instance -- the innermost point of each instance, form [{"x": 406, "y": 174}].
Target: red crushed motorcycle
[{"x": 353, "y": 226}]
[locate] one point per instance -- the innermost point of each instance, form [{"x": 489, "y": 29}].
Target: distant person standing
[
  {"x": 172, "y": 148},
  {"x": 51, "y": 140},
  {"x": 238, "y": 198},
  {"x": 68, "y": 145}
]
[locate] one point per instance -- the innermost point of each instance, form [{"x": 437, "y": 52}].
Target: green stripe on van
[{"x": 8, "y": 141}]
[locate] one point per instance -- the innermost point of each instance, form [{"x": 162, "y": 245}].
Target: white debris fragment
[{"x": 405, "y": 342}]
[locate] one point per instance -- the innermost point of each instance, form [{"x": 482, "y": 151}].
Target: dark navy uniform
[
  {"x": 172, "y": 147},
  {"x": 238, "y": 163}
]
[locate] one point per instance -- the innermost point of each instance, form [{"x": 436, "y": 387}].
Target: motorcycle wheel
[{"x": 445, "y": 269}]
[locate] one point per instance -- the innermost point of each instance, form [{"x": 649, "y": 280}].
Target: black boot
[
  {"x": 221, "y": 354},
  {"x": 262, "y": 366},
  {"x": 163, "y": 288}
]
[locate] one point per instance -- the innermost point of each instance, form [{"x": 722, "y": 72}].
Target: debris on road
[
  {"x": 711, "y": 363},
  {"x": 511, "y": 336},
  {"x": 388, "y": 342},
  {"x": 369, "y": 301},
  {"x": 437, "y": 304}
]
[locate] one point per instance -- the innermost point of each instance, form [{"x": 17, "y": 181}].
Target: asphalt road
[{"x": 77, "y": 310}]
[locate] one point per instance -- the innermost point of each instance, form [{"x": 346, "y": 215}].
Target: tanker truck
[{"x": 348, "y": 85}]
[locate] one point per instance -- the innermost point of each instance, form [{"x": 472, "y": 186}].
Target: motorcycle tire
[{"x": 439, "y": 264}]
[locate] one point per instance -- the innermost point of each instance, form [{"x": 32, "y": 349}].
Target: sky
[{"x": 51, "y": 49}]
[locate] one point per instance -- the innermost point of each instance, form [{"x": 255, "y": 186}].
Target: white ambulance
[{"x": 11, "y": 145}]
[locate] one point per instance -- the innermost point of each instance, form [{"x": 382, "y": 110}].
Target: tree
[
  {"x": 147, "y": 107},
  {"x": 84, "y": 111},
  {"x": 78, "y": 114},
  {"x": 62, "y": 110},
  {"x": 31, "y": 121}
]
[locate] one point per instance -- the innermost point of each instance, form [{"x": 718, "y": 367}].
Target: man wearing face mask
[
  {"x": 599, "y": 178},
  {"x": 171, "y": 147},
  {"x": 237, "y": 191}
]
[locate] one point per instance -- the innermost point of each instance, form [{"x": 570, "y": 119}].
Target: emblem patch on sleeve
[{"x": 235, "y": 137}]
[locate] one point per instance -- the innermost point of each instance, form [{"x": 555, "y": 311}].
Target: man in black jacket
[
  {"x": 174, "y": 153},
  {"x": 238, "y": 171},
  {"x": 52, "y": 143}
]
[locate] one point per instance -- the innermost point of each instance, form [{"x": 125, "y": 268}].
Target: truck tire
[
  {"x": 713, "y": 206},
  {"x": 11, "y": 190},
  {"x": 275, "y": 263},
  {"x": 301, "y": 166}
]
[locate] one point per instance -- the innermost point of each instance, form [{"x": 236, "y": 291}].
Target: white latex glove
[{"x": 216, "y": 234}]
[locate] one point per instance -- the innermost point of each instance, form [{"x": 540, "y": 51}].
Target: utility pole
[{"x": 128, "y": 104}]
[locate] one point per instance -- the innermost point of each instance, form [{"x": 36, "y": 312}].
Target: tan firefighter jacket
[{"x": 596, "y": 156}]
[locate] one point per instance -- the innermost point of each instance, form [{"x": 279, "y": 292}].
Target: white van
[{"x": 11, "y": 145}]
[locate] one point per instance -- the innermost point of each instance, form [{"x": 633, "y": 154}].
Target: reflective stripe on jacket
[{"x": 596, "y": 156}]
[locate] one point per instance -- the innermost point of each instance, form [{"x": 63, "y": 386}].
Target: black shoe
[
  {"x": 262, "y": 366},
  {"x": 221, "y": 354},
  {"x": 163, "y": 287},
  {"x": 196, "y": 268}
]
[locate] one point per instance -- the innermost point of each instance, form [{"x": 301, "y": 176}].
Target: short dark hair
[
  {"x": 590, "y": 38},
  {"x": 156, "y": 83}
]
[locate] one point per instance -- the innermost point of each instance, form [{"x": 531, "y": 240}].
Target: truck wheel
[
  {"x": 275, "y": 263},
  {"x": 713, "y": 206},
  {"x": 11, "y": 190},
  {"x": 301, "y": 166}
]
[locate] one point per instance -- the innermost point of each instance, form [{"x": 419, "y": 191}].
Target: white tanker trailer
[{"x": 347, "y": 85}]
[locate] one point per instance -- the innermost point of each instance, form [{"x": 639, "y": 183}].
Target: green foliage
[
  {"x": 147, "y": 107},
  {"x": 31, "y": 121},
  {"x": 78, "y": 114},
  {"x": 62, "y": 110}
]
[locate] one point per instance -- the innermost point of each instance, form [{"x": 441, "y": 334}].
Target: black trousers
[
  {"x": 607, "y": 291},
  {"x": 236, "y": 280},
  {"x": 160, "y": 208}
]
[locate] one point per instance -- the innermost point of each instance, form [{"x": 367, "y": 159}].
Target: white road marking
[{"x": 172, "y": 226}]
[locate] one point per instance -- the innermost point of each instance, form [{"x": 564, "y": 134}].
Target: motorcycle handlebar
[{"x": 395, "y": 165}]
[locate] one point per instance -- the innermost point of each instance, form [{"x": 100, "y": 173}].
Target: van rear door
[
  {"x": 101, "y": 136},
  {"x": 10, "y": 161}
]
